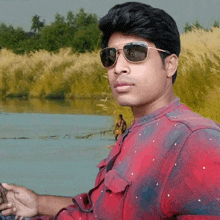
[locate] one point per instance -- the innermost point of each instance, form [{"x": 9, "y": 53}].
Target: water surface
[{"x": 53, "y": 154}]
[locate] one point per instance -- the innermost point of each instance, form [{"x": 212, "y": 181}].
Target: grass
[
  {"x": 52, "y": 75},
  {"x": 75, "y": 76}
]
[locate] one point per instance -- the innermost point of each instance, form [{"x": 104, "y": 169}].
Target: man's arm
[
  {"x": 50, "y": 205},
  {"x": 26, "y": 203}
]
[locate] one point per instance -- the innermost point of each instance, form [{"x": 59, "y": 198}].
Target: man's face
[{"x": 136, "y": 84}]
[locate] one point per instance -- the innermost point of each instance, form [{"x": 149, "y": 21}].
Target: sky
[{"x": 20, "y": 12}]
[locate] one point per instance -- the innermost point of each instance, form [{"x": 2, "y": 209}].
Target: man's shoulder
[{"x": 192, "y": 120}]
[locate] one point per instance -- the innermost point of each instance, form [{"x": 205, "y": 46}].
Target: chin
[{"x": 125, "y": 101}]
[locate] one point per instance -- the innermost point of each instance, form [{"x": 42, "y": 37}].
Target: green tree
[
  {"x": 56, "y": 35},
  {"x": 83, "y": 19},
  {"x": 197, "y": 25},
  {"x": 37, "y": 25},
  {"x": 216, "y": 24},
  {"x": 79, "y": 31},
  {"x": 70, "y": 18},
  {"x": 86, "y": 39},
  {"x": 10, "y": 37},
  {"x": 87, "y": 35},
  {"x": 187, "y": 27}
]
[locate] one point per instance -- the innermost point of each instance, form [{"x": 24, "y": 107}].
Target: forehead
[{"x": 120, "y": 39}]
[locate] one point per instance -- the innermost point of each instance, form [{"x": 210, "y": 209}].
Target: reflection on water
[{"x": 79, "y": 106}]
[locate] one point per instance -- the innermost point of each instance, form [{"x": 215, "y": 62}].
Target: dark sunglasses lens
[
  {"x": 135, "y": 52},
  {"x": 108, "y": 57}
]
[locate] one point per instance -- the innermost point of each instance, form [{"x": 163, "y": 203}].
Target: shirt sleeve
[
  {"x": 192, "y": 191},
  {"x": 73, "y": 212}
]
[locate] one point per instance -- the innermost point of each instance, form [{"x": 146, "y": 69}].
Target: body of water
[{"x": 53, "y": 154}]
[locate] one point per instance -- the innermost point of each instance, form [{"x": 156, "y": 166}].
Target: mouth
[
  {"x": 123, "y": 84},
  {"x": 123, "y": 87}
]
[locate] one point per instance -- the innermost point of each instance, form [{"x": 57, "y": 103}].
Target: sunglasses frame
[{"x": 140, "y": 42}]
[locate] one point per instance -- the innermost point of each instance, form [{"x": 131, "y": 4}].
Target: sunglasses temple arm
[{"x": 165, "y": 51}]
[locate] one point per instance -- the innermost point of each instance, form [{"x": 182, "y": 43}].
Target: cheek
[
  {"x": 145, "y": 76},
  {"x": 150, "y": 76}
]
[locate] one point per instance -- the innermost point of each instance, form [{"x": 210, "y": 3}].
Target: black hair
[{"x": 153, "y": 24}]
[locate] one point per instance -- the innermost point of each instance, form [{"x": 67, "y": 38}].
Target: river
[{"x": 52, "y": 147}]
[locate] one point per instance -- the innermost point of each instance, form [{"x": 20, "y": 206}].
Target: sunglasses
[{"x": 134, "y": 52}]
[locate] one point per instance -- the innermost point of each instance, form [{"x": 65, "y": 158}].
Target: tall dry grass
[
  {"x": 64, "y": 74},
  {"x": 198, "y": 82},
  {"x": 44, "y": 74}
]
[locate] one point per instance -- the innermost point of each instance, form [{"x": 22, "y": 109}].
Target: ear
[{"x": 171, "y": 63}]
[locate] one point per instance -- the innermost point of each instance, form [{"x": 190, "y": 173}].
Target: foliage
[
  {"x": 197, "y": 25},
  {"x": 216, "y": 24},
  {"x": 56, "y": 35},
  {"x": 10, "y": 37},
  {"x": 78, "y": 31},
  {"x": 37, "y": 25}
]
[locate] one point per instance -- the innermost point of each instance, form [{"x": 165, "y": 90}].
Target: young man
[{"x": 166, "y": 165}]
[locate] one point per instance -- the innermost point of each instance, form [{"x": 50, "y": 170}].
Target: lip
[
  {"x": 122, "y": 87},
  {"x": 123, "y": 84}
]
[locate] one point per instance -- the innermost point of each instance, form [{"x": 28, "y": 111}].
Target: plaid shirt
[{"x": 165, "y": 166}]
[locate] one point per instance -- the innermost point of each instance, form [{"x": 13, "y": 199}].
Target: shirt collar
[{"x": 158, "y": 113}]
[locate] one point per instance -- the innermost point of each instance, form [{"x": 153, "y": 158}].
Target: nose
[{"x": 122, "y": 65}]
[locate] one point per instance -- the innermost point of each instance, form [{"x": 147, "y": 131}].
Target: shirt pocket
[
  {"x": 111, "y": 200},
  {"x": 115, "y": 182}
]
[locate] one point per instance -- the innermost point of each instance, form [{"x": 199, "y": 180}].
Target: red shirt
[{"x": 165, "y": 166}]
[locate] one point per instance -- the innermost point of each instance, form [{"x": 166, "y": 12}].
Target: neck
[{"x": 140, "y": 111}]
